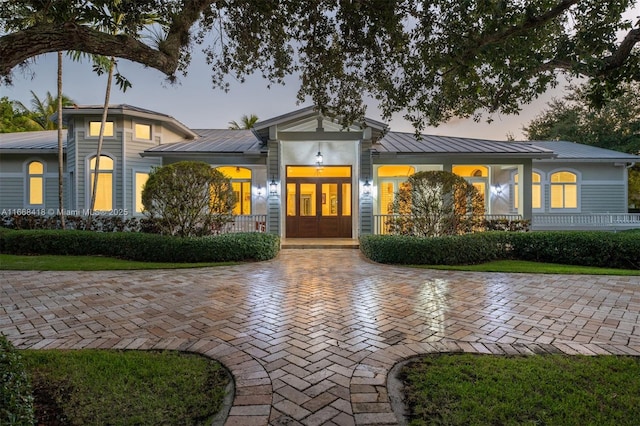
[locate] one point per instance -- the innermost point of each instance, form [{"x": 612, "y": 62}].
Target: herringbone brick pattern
[{"x": 310, "y": 336}]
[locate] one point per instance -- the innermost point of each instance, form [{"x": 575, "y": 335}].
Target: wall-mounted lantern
[
  {"x": 319, "y": 159},
  {"x": 366, "y": 187},
  {"x": 273, "y": 186}
]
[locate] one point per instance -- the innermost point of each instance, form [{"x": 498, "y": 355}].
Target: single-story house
[{"x": 302, "y": 174}]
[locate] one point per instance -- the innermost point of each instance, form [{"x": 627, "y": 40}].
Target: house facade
[{"x": 302, "y": 175}]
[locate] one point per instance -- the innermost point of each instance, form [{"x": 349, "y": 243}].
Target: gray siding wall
[
  {"x": 13, "y": 182},
  {"x": 603, "y": 199},
  {"x": 274, "y": 202},
  {"x": 366, "y": 202},
  {"x": 133, "y": 163}
]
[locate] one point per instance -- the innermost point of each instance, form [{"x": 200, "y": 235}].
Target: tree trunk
[
  {"x": 60, "y": 149},
  {"x": 96, "y": 172}
]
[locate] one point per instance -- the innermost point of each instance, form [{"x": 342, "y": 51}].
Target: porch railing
[
  {"x": 246, "y": 223},
  {"x": 610, "y": 221}
]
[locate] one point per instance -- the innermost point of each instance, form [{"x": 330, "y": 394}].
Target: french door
[{"x": 318, "y": 207}]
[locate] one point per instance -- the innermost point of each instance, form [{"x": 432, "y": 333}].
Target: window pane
[
  {"x": 106, "y": 163},
  {"x": 246, "y": 197},
  {"x": 291, "y": 199},
  {"x": 536, "y": 195},
  {"x": 36, "y": 186},
  {"x": 516, "y": 194},
  {"x": 36, "y": 168},
  {"x": 329, "y": 199},
  {"x": 571, "y": 196},
  {"x": 237, "y": 191},
  {"x": 386, "y": 197},
  {"x": 307, "y": 199},
  {"x": 535, "y": 177},
  {"x": 94, "y": 128},
  {"x": 143, "y": 131},
  {"x": 564, "y": 177},
  {"x": 557, "y": 201},
  {"x": 141, "y": 179},
  {"x": 104, "y": 194},
  {"x": 346, "y": 199}
]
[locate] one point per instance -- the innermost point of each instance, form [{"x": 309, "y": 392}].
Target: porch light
[
  {"x": 259, "y": 191},
  {"x": 366, "y": 187},
  {"x": 319, "y": 159},
  {"x": 273, "y": 186}
]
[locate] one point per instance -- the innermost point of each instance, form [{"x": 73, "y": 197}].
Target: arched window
[
  {"x": 35, "y": 189},
  {"x": 241, "y": 184},
  {"x": 104, "y": 193},
  {"x": 536, "y": 191},
  {"x": 564, "y": 190}
]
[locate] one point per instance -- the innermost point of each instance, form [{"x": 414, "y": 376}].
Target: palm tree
[
  {"x": 246, "y": 122},
  {"x": 42, "y": 110}
]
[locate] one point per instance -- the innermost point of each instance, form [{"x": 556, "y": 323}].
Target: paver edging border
[{"x": 389, "y": 361}]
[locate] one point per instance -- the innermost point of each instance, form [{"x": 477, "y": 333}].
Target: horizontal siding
[
  {"x": 11, "y": 193},
  {"x": 603, "y": 199}
]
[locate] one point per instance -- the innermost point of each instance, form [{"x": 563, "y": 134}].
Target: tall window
[
  {"x": 35, "y": 190},
  {"x": 241, "y": 184},
  {"x": 142, "y": 131},
  {"x": 94, "y": 128},
  {"x": 536, "y": 191},
  {"x": 564, "y": 190},
  {"x": 140, "y": 181},
  {"x": 476, "y": 175},
  {"x": 104, "y": 194},
  {"x": 389, "y": 180}
]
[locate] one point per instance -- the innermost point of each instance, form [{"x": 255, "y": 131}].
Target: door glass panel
[
  {"x": 313, "y": 171},
  {"x": 307, "y": 199},
  {"x": 291, "y": 199},
  {"x": 329, "y": 199},
  {"x": 346, "y": 199}
]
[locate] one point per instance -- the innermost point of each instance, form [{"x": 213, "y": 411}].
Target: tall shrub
[
  {"x": 188, "y": 198},
  {"x": 437, "y": 203}
]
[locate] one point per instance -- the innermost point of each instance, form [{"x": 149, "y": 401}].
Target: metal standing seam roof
[
  {"x": 576, "y": 151},
  {"x": 399, "y": 142},
  {"x": 26, "y": 142},
  {"x": 214, "y": 140}
]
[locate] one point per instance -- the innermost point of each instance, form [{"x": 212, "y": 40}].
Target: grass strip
[
  {"x": 88, "y": 263},
  {"x": 524, "y": 266},
  {"x": 471, "y": 389},
  {"x": 124, "y": 387}
]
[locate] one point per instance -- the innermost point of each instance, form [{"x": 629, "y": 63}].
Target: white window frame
[
  {"x": 27, "y": 182},
  {"x": 543, "y": 177},
  {"x": 88, "y": 132},
  {"x": 89, "y": 171},
  {"x": 143, "y": 123},
  {"x": 578, "y": 184}
]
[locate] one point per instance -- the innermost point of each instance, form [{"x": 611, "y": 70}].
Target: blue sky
[{"x": 195, "y": 102}]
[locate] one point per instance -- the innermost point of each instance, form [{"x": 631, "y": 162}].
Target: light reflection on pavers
[{"x": 310, "y": 336}]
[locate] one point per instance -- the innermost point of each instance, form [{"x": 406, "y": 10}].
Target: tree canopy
[
  {"x": 430, "y": 60},
  {"x": 614, "y": 126}
]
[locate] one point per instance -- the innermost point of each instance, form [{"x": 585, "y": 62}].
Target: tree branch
[
  {"x": 617, "y": 58},
  {"x": 19, "y": 46}
]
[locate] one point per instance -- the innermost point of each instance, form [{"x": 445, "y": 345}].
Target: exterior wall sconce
[
  {"x": 319, "y": 159},
  {"x": 259, "y": 191},
  {"x": 366, "y": 187},
  {"x": 273, "y": 187}
]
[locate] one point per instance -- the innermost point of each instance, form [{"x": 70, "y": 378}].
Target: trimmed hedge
[
  {"x": 141, "y": 246},
  {"x": 16, "y": 399},
  {"x": 589, "y": 248}
]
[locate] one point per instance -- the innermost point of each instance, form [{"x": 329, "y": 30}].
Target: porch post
[{"x": 525, "y": 209}]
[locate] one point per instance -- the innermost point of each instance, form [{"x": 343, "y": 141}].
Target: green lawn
[
  {"x": 86, "y": 263},
  {"x": 100, "y": 387},
  {"x": 534, "y": 268},
  {"x": 466, "y": 389}
]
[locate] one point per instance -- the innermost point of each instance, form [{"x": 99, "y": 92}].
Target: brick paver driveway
[{"x": 311, "y": 335}]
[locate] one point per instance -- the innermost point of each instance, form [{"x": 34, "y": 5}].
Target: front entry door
[{"x": 318, "y": 207}]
